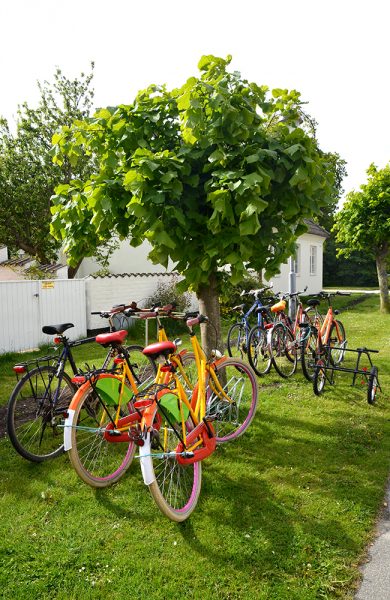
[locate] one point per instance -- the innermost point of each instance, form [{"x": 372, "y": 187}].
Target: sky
[{"x": 334, "y": 52}]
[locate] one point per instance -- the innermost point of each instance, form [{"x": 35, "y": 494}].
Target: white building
[{"x": 307, "y": 262}]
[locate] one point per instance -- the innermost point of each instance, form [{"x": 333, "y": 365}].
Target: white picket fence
[{"x": 26, "y": 306}]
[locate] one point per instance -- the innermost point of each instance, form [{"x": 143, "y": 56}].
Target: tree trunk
[
  {"x": 381, "y": 267},
  {"x": 209, "y": 306},
  {"x": 73, "y": 270}
]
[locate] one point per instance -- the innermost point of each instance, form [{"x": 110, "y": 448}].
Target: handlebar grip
[{"x": 197, "y": 320}]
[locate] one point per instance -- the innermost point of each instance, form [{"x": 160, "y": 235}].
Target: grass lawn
[{"x": 286, "y": 512}]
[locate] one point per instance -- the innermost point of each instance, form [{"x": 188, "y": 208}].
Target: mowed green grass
[{"x": 286, "y": 512}]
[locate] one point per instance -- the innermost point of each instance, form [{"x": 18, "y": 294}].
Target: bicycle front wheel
[
  {"x": 232, "y": 407},
  {"x": 258, "y": 351},
  {"x": 236, "y": 341},
  {"x": 372, "y": 385},
  {"x": 319, "y": 378},
  {"x": 175, "y": 487},
  {"x": 283, "y": 350},
  {"x": 142, "y": 366},
  {"x": 309, "y": 352},
  {"x": 35, "y": 411},
  {"x": 337, "y": 342},
  {"x": 98, "y": 461}
]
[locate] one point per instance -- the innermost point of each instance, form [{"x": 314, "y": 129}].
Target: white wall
[
  {"x": 304, "y": 278},
  {"x": 26, "y": 306},
  {"x": 3, "y": 253},
  {"x": 125, "y": 260}
]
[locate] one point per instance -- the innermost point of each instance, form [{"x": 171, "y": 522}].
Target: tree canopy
[
  {"x": 363, "y": 224},
  {"x": 219, "y": 172},
  {"x": 28, "y": 176}
]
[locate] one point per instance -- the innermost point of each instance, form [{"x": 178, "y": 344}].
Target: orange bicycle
[
  {"x": 174, "y": 428},
  {"x": 325, "y": 333},
  {"x": 285, "y": 337}
]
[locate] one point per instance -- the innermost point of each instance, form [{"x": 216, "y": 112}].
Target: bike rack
[{"x": 324, "y": 364}]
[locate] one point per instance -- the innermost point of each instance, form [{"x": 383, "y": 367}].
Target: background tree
[
  {"x": 217, "y": 173},
  {"x": 356, "y": 269},
  {"x": 27, "y": 173},
  {"x": 364, "y": 224}
]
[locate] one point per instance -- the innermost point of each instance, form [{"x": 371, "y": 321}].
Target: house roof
[
  {"x": 118, "y": 275},
  {"x": 316, "y": 229}
]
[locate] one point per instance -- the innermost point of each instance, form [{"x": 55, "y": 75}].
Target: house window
[
  {"x": 313, "y": 260},
  {"x": 296, "y": 266}
]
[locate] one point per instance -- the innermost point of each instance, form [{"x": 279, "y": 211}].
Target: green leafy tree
[
  {"x": 217, "y": 173},
  {"x": 364, "y": 224},
  {"x": 28, "y": 176}
]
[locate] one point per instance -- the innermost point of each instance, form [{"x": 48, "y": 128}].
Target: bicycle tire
[
  {"x": 372, "y": 385},
  {"x": 98, "y": 462},
  {"x": 238, "y": 381},
  {"x": 236, "y": 341},
  {"x": 309, "y": 353},
  {"x": 142, "y": 366},
  {"x": 175, "y": 488},
  {"x": 319, "y": 378},
  {"x": 258, "y": 351},
  {"x": 32, "y": 419},
  {"x": 337, "y": 354},
  {"x": 283, "y": 350}
]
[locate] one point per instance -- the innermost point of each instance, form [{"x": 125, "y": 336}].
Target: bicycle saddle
[
  {"x": 313, "y": 302},
  {"x": 239, "y": 307},
  {"x": 158, "y": 349},
  {"x": 56, "y": 329},
  {"x": 113, "y": 337}
]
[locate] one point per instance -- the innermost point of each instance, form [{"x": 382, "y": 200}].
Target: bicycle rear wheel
[
  {"x": 283, "y": 350},
  {"x": 231, "y": 416},
  {"x": 96, "y": 460},
  {"x": 35, "y": 409},
  {"x": 258, "y": 351},
  {"x": 175, "y": 488},
  {"x": 236, "y": 341}
]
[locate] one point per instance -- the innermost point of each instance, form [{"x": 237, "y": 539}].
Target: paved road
[{"x": 376, "y": 572}]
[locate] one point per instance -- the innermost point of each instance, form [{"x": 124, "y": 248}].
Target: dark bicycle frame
[{"x": 257, "y": 306}]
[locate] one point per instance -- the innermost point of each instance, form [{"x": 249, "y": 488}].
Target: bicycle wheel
[
  {"x": 96, "y": 460},
  {"x": 372, "y": 385},
  {"x": 283, "y": 350},
  {"x": 319, "y": 378},
  {"x": 236, "y": 341},
  {"x": 258, "y": 351},
  {"x": 337, "y": 342},
  {"x": 35, "y": 409},
  {"x": 308, "y": 351},
  {"x": 231, "y": 416},
  {"x": 143, "y": 367},
  {"x": 175, "y": 488}
]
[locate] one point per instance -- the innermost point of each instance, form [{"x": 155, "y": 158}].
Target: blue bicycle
[{"x": 238, "y": 341}]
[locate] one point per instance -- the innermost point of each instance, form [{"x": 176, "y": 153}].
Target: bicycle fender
[
  {"x": 68, "y": 430},
  {"x": 146, "y": 462}
]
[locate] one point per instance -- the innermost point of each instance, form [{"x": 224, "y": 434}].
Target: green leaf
[
  {"x": 250, "y": 226},
  {"x": 217, "y": 155},
  {"x": 299, "y": 176},
  {"x": 163, "y": 238}
]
